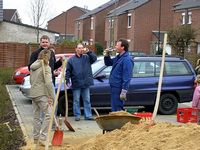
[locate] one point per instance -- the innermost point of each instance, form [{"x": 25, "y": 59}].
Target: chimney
[{"x": 1, "y": 10}]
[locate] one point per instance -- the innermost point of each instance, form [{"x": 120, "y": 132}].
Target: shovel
[
  {"x": 68, "y": 125},
  {"x": 58, "y": 135}
]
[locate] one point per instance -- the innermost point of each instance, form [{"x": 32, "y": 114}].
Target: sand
[
  {"x": 142, "y": 136},
  {"x": 161, "y": 136}
]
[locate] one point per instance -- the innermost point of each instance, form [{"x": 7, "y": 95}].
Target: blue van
[{"x": 177, "y": 85}]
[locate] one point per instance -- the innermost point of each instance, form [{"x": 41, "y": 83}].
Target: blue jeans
[{"x": 85, "y": 93}]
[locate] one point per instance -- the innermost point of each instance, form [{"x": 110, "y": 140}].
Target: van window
[{"x": 176, "y": 68}]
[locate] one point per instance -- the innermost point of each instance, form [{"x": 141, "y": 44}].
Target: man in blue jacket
[
  {"x": 80, "y": 72},
  {"x": 121, "y": 73}
]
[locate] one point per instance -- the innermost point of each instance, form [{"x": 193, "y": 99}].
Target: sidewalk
[{"x": 24, "y": 111}]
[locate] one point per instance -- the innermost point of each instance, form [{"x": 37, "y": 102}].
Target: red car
[{"x": 20, "y": 73}]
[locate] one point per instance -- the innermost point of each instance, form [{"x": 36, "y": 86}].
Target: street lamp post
[
  {"x": 65, "y": 23},
  {"x": 159, "y": 23}
]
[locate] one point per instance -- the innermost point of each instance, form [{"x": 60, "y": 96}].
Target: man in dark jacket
[
  {"x": 121, "y": 73},
  {"x": 80, "y": 72},
  {"x": 44, "y": 44}
]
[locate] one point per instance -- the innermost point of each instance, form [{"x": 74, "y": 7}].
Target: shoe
[
  {"x": 90, "y": 118},
  {"x": 77, "y": 119},
  {"x": 43, "y": 143}
]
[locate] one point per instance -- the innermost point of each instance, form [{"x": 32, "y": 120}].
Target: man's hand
[
  {"x": 50, "y": 101},
  {"x": 86, "y": 50},
  {"x": 123, "y": 95},
  {"x": 106, "y": 52}
]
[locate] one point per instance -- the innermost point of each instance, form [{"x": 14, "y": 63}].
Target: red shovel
[{"x": 58, "y": 135}]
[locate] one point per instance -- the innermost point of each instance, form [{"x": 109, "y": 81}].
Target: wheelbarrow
[{"x": 109, "y": 122}]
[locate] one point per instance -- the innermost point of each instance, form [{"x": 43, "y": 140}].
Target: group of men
[{"x": 79, "y": 76}]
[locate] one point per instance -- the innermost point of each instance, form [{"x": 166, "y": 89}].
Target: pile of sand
[{"x": 161, "y": 136}]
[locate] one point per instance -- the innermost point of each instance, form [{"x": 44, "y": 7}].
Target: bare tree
[{"x": 38, "y": 14}]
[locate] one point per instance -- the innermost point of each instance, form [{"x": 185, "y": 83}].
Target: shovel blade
[
  {"x": 69, "y": 126},
  {"x": 57, "y": 138}
]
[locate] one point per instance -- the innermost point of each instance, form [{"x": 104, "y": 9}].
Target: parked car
[
  {"x": 20, "y": 73},
  {"x": 177, "y": 87}
]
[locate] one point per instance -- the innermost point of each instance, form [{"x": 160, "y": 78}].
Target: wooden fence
[{"x": 15, "y": 55}]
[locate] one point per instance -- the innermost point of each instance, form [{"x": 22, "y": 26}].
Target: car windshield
[{"x": 97, "y": 65}]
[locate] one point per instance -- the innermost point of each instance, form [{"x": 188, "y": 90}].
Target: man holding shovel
[{"x": 80, "y": 72}]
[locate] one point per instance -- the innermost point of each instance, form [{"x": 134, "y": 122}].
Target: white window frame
[
  {"x": 92, "y": 23},
  {"x": 189, "y": 17},
  {"x": 183, "y": 18},
  {"x": 129, "y": 20},
  {"x": 78, "y": 25}
]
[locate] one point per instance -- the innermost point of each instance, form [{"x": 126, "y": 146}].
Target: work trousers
[
  {"x": 40, "y": 127},
  {"x": 116, "y": 103}
]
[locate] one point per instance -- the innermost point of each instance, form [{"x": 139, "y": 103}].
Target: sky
[{"x": 56, "y": 7}]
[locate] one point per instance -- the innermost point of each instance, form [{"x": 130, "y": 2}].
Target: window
[
  {"x": 92, "y": 23},
  {"x": 183, "y": 18},
  {"x": 189, "y": 17},
  {"x": 176, "y": 68},
  {"x": 78, "y": 25},
  {"x": 144, "y": 69},
  {"x": 129, "y": 20},
  {"x": 107, "y": 71},
  {"x": 111, "y": 23}
]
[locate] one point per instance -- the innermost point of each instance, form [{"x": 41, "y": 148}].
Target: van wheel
[
  {"x": 61, "y": 106},
  {"x": 168, "y": 104}
]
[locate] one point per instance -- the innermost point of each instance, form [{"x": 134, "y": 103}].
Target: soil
[
  {"x": 142, "y": 136},
  {"x": 13, "y": 139}
]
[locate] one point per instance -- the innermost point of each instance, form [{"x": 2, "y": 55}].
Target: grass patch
[{"x": 8, "y": 140}]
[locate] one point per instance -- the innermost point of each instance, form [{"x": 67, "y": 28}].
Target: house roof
[
  {"x": 29, "y": 26},
  {"x": 8, "y": 13},
  {"x": 96, "y": 10},
  {"x": 131, "y": 5},
  {"x": 187, "y": 4},
  {"x": 82, "y": 9}
]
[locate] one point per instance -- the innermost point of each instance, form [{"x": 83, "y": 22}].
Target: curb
[{"x": 18, "y": 115}]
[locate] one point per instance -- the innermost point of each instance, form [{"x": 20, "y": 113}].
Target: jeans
[{"x": 85, "y": 93}]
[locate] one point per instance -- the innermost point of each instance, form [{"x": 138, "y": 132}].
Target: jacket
[
  {"x": 122, "y": 68},
  {"x": 52, "y": 62},
  {"x": 196, "y": 98},
  {"x": 79, "y": 70},
  {"x": 41, "y": 86}
]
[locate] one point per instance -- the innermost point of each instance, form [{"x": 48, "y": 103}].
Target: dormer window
[
  {"x": 92, "y": 23},
  {"x": 129, "y": 20}
]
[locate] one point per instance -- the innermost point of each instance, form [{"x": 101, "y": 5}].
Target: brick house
[
  {"x": 90, "y": 27},
  {"x": 65, "y": 22},
  {"x": 138, "y": 22},
  {"x": 187, "y": 12}
]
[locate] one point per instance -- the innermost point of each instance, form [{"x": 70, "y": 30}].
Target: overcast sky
[{"x": 56, "y": 7}]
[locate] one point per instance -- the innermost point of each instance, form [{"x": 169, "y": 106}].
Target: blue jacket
[
  {"x": 79, "y": 70},
  {"x": 122, "y": 68}
]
